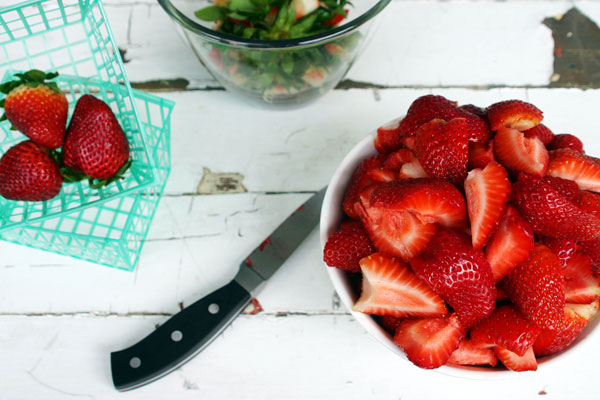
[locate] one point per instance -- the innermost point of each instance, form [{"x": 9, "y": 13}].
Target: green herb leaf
[
  {"x": 243, "y": 6},
  {"x": 212, "y": 13},
  {"x": 303, "y": 25}
]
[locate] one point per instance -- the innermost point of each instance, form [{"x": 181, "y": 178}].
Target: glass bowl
[{"x": 277, "y": 72}]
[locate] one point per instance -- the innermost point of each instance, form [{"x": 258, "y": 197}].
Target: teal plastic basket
[{"x": 109, "y": 225}]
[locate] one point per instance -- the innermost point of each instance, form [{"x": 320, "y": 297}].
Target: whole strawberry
[
  {"x": 459, "y": 274},
  {"x": 28, "y": 173},
  {"x": 36, "y": 107},
  {"x": 95, "y": 143}
]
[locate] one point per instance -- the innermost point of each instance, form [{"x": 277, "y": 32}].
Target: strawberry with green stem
[
  {"x": 37, "y": 107},
  {"x": 95, "y": 145}
]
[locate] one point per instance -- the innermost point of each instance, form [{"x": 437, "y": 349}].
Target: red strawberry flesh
[{"x": 390, "y": 288}]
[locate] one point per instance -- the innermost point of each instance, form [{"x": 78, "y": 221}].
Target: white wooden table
[{"x": 60, "y": 317}]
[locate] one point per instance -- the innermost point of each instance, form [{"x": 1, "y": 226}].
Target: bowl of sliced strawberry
[{"x": 467, "y": 238}]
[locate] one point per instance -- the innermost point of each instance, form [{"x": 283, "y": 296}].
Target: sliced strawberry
[
  {"x": 459, "y": 274},
  {"x": 581, "y": 287},
  {"x": 346, "y": 247},
  {"x": 542, "y": 132},
  {"x": 480, "y": 154},
  {"x": 506, "y": 327},
  {"x": 394, "y": 161},
  {"x": 399, "y": 233},
  {"x": 519, "y": 153},
  {"x": 510, "y": 245},
  {"x": 388, "y": 138},
  {"x": 469, "y": 354},
  {"x": 576, "y": 318},
  {"x": 431, "y": 200},
  {"x": 429, "y": 107},
  {"x": 515, "y": 114},
  {"x": 442, "y": 149},
  {"x": 359, "y": 180},
  {"x": 412, "y": 169},
  {"x": 571, "y": 164},
  {"x": 550, "y": 214},
  {"x": 429, "y": 342},
  {"x": 381, "y": 175},
  {"x": 588, "y": 202},
  {"x": 536, "y": 288},
  {"x": 515, "y": 362},
  {"x": 487, "y": 191},
  {"x": 409, "y": 142},
  {"x": 565, "y": 187},
  {"x": 566, "y": 141},
  {"x": 389, "y": 287},
  {"x": 564, "y": 249}
]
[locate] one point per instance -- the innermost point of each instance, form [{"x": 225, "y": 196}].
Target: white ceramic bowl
[{"x": 331, "y": 216}]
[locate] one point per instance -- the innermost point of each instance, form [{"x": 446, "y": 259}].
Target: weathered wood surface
[{"x": 60, "y": 317}]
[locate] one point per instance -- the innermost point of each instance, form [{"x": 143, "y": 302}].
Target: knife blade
[{"x": 189, "y": 331}]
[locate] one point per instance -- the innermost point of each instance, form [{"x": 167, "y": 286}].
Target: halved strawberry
[
  {"x": 588, "y": 202},
  {"x": 459, "y": 274},
  {"x": 515, "y": 362},
  {"x": 431, "y": 200},
  {"x": 394, "y": 161},
  {"x": 412, "y": 169},
  {"x": 576, "y": 318},
  {"x": 359, "y": 180},
  {"x": 571, "y": 164},
  {"x": 519, "y": 153},
  {"x": 515, "y": 114},
  {"x": 480, "y": 154},
  {"x": 542, "y": 132},
  {"x": 550, "y": 214},
  {"x": 510, "y": 245},
  {"x": 396, "y": 232},
  {"x": 389, "y": 287},
  {"x": 536, "y": 288},
  {"x": 506, "y": 327},
  {"x": 581, "y": 287},
  {"x": 388, "y": 138},
  {"x": 487, "y": 191},
  {"x": 566, "y": 141},
  {"x": 469, "y": 354},
  {"x": 426, "y": 108},
  {"x": 442, "y": 149},
  {"x": 563, "y": 248},
  {"x": 381, "y": 175},
  {"x": 429, "y": 342},
  {"x": 346, "y": 247}
]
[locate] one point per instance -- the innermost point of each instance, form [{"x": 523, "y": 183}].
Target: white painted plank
[
  {"x": 188, "y": 255},
  {"x": 258, "y": 357}
]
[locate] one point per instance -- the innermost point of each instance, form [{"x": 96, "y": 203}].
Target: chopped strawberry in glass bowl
[{"x": 466, "y": 238}]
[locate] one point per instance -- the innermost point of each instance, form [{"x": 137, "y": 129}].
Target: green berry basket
[{"x": 108, "y": 225}]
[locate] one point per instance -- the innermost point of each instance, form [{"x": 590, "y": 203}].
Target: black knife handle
[{"x": 179, "y": 339}]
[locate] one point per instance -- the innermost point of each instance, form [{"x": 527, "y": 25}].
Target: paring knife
[{"x": 189, "y": 331}]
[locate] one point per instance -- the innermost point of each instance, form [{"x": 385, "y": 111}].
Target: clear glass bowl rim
[{"x": 224, "y": 38}]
